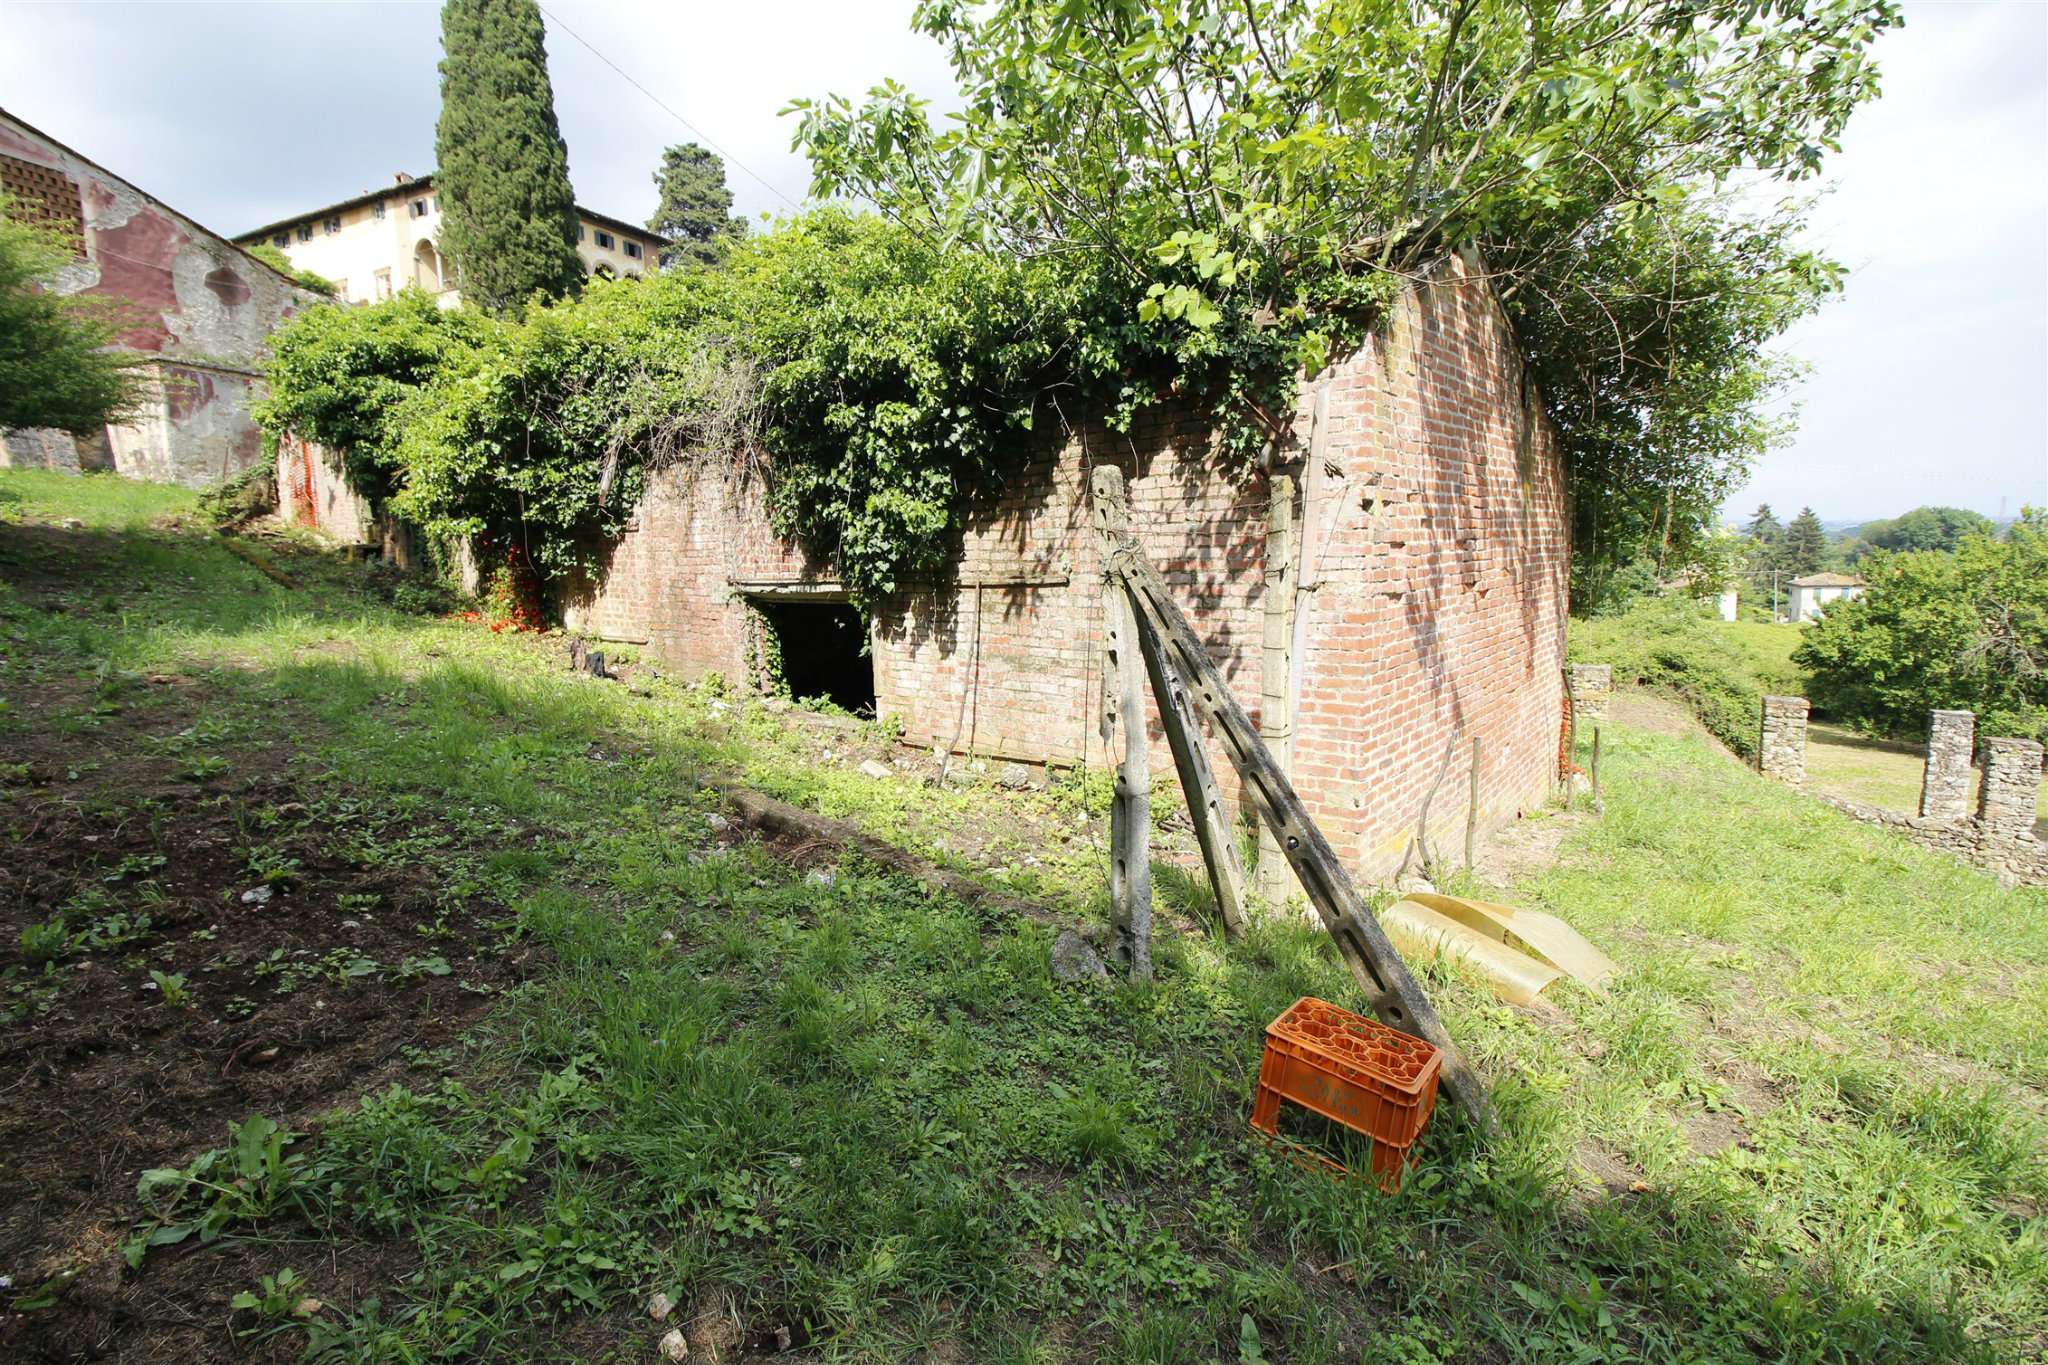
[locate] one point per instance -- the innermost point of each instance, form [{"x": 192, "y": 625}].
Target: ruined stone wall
[
  {"x": 1999, "y": 836},
  {"x": 1429, "y": 602},
  {"x": 196, "y": 307},
  {"x": 1945, "y": 778},
  {"x": 1781, "y": 745}
]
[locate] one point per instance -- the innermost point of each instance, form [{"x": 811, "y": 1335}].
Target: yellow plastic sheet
[
  {"x": 1420, "y": 933},
  {"x": 1547, "y": 936}
]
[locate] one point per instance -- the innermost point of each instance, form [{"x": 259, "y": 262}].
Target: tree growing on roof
[
  {"x": 695, "y": 213},
  {"x": 1247, "y": 179},
  {"x": 508, "y": 215},
  {"x": 54, "y": 368}
]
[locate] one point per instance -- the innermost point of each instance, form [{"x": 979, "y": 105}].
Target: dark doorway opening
[{"x": 823, "y": 647}]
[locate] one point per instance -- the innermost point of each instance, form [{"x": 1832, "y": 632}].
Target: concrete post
[
  {"x": 2011, "y": 788},
  {"x": 1945, "y": 781},
  {"x": 1781, "y": 750},
  {"x": 1591, "y": 686},
  {"x": 1275, "y": 879}
]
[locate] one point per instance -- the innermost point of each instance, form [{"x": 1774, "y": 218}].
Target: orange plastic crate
[{"x": 1354, "y": 1071}]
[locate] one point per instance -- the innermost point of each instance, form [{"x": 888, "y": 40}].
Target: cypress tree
[
  {"x": 1805, "y": 543},
  {"x": 508, "y": 215},
  {"x": 696, "y": 206}
]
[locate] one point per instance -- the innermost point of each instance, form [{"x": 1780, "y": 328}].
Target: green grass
[
  {"x": 103, "y": 502},
  {"x": 1878, "y": 772},
  {"x": 1721, "y": 670},
  {"x": 848, "y": 1104}
]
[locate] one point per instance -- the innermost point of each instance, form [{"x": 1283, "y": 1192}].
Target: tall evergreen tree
[
  {"x": 1763, "y": 527},
  {"x": 696, "y": 206},
  {"x": 508, "y": 215},
  {"x": 1806, "y": 544}
]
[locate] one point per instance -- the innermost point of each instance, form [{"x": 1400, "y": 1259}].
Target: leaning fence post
[
  {"x": 1123, "y": 717},
  {"x": 1362, "y": 943},
  {"x": 1472, "y": 812}
]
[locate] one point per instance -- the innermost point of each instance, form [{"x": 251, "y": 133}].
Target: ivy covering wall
[{"x": 877, "y": 379}]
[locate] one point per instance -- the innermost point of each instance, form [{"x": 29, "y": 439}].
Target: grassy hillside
[
  {"x": 546, "y": 1035},
  {"x": 1721, "y": 670}
]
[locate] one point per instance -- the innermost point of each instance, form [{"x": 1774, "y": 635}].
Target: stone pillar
[
  {"x": 1781, "y": 752},
  {"x": 1945, "y": 781},
  {"x": 2010, "y": 790},
  {"x": 1591, "y": 684}
]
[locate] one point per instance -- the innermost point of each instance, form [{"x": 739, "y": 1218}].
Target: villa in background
[
  {"x": 1814, "y": 591},
  {"x": 385, "y": 240}
]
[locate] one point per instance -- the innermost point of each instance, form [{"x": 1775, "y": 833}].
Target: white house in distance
[
  {"x": 1815, "y": 590},
  {"x": 385, "y": 240}
]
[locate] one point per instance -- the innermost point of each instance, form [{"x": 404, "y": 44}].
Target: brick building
[
  {"x": 1418, "y": 600},
  {"x": 197, "y": 308}
]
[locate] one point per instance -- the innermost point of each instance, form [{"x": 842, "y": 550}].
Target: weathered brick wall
[
  {"x": 1436, "y": 561},
  {"x": 311, "y": 492},
  {"x": 198, "y": 309},
  {"x": 1430, "y": 601}
]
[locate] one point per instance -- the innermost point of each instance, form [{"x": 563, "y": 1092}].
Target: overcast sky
[{"x": 1930, "y": 380}]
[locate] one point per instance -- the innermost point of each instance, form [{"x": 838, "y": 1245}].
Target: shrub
[
  {"x": 1934, "y": 630},
  {"x": 250, "y": 493},
  {"x": 1676, "y": 645}
]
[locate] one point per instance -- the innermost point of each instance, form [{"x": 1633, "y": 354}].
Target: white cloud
[{"x": 1930, "y": 375}]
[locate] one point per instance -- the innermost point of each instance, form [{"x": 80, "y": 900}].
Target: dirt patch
[
  {"x": 1657, "y": 714},
  {"x": 1528, "y": 846},
  {"x": 180, "y": 953}
]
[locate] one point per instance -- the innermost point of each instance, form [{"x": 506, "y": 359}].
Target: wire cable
[{"x": 700, "y": 134}]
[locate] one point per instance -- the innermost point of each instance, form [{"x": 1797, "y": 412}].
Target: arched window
[{"x": 426, "y": 267}]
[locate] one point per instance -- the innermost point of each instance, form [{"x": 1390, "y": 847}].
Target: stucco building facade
[
  {"x": 1810, "y": 595},
  {"x": 196, "y": 308},
  {"x": 386, "y": 240}
]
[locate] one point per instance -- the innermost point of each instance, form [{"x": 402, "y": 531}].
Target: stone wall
[
  {"x": 312, "y": 493},
  {"x": 1781, "y": 748},
  {"x": 198, "y": 309},
  {"x": 1430, "y": 564},
  {"x": 2009, "y": 791},
  {"x": 2000, "y": 836},
  {"x": 1591, "y": 685},
  {"x": 1945, "y": 781}
]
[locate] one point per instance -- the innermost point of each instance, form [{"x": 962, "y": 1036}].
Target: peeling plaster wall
[{"x": 198, "y": 308}]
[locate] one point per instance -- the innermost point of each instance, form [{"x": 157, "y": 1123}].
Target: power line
[{"x": 701, "y": 135}]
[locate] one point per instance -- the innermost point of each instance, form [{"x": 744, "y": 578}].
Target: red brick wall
[{"x": 1432, "y": 597}]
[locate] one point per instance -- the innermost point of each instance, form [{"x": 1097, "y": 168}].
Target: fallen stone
[
  {"x": 1074, "y": 960},
  {"x": 876, "y": 770},
  {"x": 719, "y": 823},
  {"x": 660, "y": 1306},
  {"x": 1015, "y": 776},
  {"x": 257, "y": 895},
  {"x": 675, "y": 1346}
]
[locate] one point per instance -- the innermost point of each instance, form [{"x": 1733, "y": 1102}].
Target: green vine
[{"x": 764, "y": 654}]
